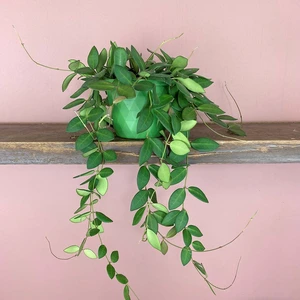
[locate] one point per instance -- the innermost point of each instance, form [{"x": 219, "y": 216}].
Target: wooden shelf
[{"x": 50, "y": 144}]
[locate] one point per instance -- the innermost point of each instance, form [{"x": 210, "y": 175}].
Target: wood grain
[{"x": 50, "y": 144}]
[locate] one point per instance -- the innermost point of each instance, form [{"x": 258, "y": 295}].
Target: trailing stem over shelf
[{"x": 49, "y": 144}]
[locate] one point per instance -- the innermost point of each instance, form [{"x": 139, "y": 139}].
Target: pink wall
[{"x": 254, "y": 46}]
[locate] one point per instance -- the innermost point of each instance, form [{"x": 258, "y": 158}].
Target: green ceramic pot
[{"x": 124, "y": 115}]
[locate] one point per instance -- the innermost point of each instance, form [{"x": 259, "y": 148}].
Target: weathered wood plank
[{"x": 50, "y": 144}]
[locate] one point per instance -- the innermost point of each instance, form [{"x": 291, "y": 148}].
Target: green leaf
[
  {"x": 164, "y": 173},
  {"x": 144, "y": 86},
  {"x": 74, "y": 65},
  {"x": 110, "y": 271},
  {"x": 204, "y": 144},
  {"x": 170, "y": 218},
  {"x": 93, "y": 58},
  {"x": 103, "y": 218},
  {"x": 159, "y": 215},
  {"x": 139, "y": 200},
  {"x": 114, "y": 257},
  {"x": 153, "y": 239},
  {"x": 200, "y": 267},
  {"x": 94, "y": 160},
  {"x": 176, "y": 124},
  {"x": 120, "y": 57},
  {"x": 83, "y": 141},
  {"x": 179, "y": 62},
  {"x": 104, "y": 135},
  {"x": 102, "y": 251},
  {"x": 71, "y": 249},
  {"x": 123, "y": 75},
  {"x": 126, "y": 293},
  {"x": 164, "y": 119},
  {"x": 122, "y": 279},
  {"x": 102, "y": 185},
  {"x": 186, "y": 255},
  {"x": 138, "y": 59},
  {"x": 164, "y": 247},
  {"x": 204, "y": 82},
  {"x": 138, "y": 216},
  {"x": 194, "y": 230},
  {"x": 152, "y": 223},
  {"x": 145, "y": 152},
  {"x": 189, "y": 114},
  {"x": 79, "y": 218},
  {"x": 152, "y": 195},
  {"x": 85, "y": 71},
  {"x": 95, "y": 114},
  {"x": 196, "y": 192},
  {"x": 75, "y": 124},
  {"x": 187, "y": 237},
  {"x": 236, "y": 129},
  {"x": 160, "y": 207},
  {"x": 82, "y": 206},
  {"x": 187, "y": 125},
  {"x": 78, "y": 92},
  {"x": 198, "y": 246},
  {"x": 90, "y": 253},
  {"x": 106, "y": 172},
  {"x": 181, "y": 137},
  {"x": 178, "y": 175},
  {"x": 67, "y": 81},
  {"x": 157, "y": 146},
  {"x": 143, "y": 177},
  {"x": 191, "y": 85},
  {"x": 100, "y": 85},
  {"x": 82, "y": 192},
  {"x": 177, "y": 198},
  {"x": 85, "y": 174},
  {"x": 110, "y": 155},
  {"x": 211, "y": 108},
  {"x": 168, "y": 58},
  {"x": 181, "y": 220},
  {"x": 93, "y": 231},
  {"x": 74, "y": 103},
  {"x": 125, "y": 90},
  {"x": 154, "y": 170},
  {"x": 171, "y": 233},
  {"x": 179, "y": 147},
  {"x": 101, "y": 59},
  {"x": 145, "y": 120},
  {"x": 227, "y": 118}
]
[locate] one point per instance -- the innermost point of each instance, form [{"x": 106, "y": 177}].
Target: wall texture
[{"x": 253, "y": 46}]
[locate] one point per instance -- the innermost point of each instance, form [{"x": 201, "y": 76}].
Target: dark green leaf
[
  {"x": 74, "y": 103},
  {"x": 154, "y": 170},
  {"x": 126, "y": 293},
  {"x": 144, "y": 86},
  {"x": 145, "y": 152},
  {"x": 164, "y": 119},
  {"x": 138, "y": 216},
  {"x": 152, "y": 195},
  {"x": 126, "y": 91},
  {"x": 101, "y": 59},
  {"x": 104, "y": 135},
  {"x": 139, "y": 200},
  {"x": 83, "y": 141},
  {"x": 204, "y": 144},
  {"x": 211, "y": 108},
  {"x": 182, "y": 89},
  {"x": 123, "y": 75},
  {"x": 152, "y": 223},
  {"x": 93, "y": 231},
  {"x": 106, "y": 172},
  {"x": 85, "y": 71},
  {"x": 181, "y": 220},
  {"x": 122, "y": 279},
  {"x": 93, "y": 58},
  {"x": 177, "y": 198},
  {"x": 145, "y": 120},
  {"x": 114, "y": 257},
  {"x": 157, "y": 147},
  {"x": 198, "y": 246},
  {"x": 110, "y": 271},
  {"x": 82, "y": 206},
  {"x": 95, "y": 114},
  {"x": 168, "y": 58},
  {"x": 227, "y": 118},
  {"x": 138, "y": 59},
  {"x": 170, "y": 218},
  {"x": 78, "y": 92},
  {"x": 94, "y": 160},
  {"x": 178, "y": 175},
  {"x": 110, "y": 155},
  {"x": 67, "y": 80},
  {"x": 187, "y": 237},
  {"x": 102, "y": 250},
  {"x": 204, "y": 82},
  {"x": 159, "y": 216},
  {"x": 75, "y": 64},
  {"x": 196, "y": 192},
  {"x": 186, "y": 255},
  {"x": 76, "y": 124},
  {"x": 143, "y": 177},
  {"x": 200, "y": 267},
  {"x": 101, "y": 85},
  {"x": 120, "y": 57},
  {"x": 236, "y": 129},
  {"x": 171, "y": 233},
  {"x": 176, "y": 124},
  {"x": 103, "y": 218},
  {"x": 189, "y": 114},
  {"x": 194, "y": 230}
]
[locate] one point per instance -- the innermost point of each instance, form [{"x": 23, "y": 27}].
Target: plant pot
[{"x": 124, "y": 115}]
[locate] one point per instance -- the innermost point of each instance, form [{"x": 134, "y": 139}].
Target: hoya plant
[{"x": 158, "y": 99}]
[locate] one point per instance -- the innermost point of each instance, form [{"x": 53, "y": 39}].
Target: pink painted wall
[{"x": 254, "y": 46}]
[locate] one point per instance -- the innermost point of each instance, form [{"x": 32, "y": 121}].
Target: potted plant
[{"x": 157, "y": 99}]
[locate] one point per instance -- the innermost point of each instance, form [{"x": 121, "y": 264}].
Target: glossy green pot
[{"x": 124, "y": 115}]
